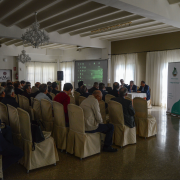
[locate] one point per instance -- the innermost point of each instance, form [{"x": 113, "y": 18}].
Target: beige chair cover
[
  {"x": 108, "y": 97},
  {"x": 15, "y": 126},
  {"x": 76, "y": 96},
  {"x": 37, "y": 109},
  {"x": 123, "y": 135},
  {"x": 47, "y": 117},
  {"x": 103, "y": 111},
  {"x": 80, "y": 143},
  {"x": 45, "y": 153},
  {"x": 16, "y": 97},
  {"x": 4, "y": 113},
  {"x": 32, "y": 101},
  {"x": 53, "y": 96},
  {"x": 72, "y": 99},
  {"x": 20, "y": 101},
  {"x": 146, "y": 124},
  {"x": 60, "y": 131},
  {"x": 81, "y": 99},
  {"x": 1, "y": 172},
  {"x": 128, "y": 98},
  {"x": 27, "y": 107}
]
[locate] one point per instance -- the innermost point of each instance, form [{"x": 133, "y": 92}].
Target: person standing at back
[
  {"x": 64, "y": 99},
  {"x": 94, "y": 88},
  {"x": 55, "y": 88},
  {"x": 93, "y": 119},
  {"x": 128, "y": 110},
  {"x": 9, "y": 97}
]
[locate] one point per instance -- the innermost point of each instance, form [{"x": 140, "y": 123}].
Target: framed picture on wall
[{"x": 5, "y": 74}]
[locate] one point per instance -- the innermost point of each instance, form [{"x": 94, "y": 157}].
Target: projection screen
[{"x": 91, "y": 71}]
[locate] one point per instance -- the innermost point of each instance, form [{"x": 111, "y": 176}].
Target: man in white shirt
[
  {"x": 43, "y": 88},
  {"x": 93, "y": 119}
]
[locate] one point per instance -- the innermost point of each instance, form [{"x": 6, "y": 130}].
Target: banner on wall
[
  {"x": 5, "y": 75},
  {"x": 173, "y": 96}
]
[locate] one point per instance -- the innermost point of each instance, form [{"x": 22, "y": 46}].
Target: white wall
[{"x": 10, "y": 64}]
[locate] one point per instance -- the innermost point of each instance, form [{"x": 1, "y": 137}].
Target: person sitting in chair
[
  {"x": 2, "y": 93},
  {"x": 80, "y": 84},
  {"x": 128, "y": 110},
  {"x": 23, "y": 83},
  {"x": 36, "y": 87},
  {"x": 103, "y": 90},
  {"x": 93, "y": 120},
  {"x": 94, "y": 88},
  {"x": 132, "y": 87},
  {"x": 84, "y": 91},
  {"x": 17, "y": 88},
  {"x": 55, "y": 88},
  {"x": 123, "y": 84},
  {"x": 49, "y": 91},
  {"x": 115, "y": 90}
]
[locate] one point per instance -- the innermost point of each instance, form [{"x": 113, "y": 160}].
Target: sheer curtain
[
  {"x": 68, "y": 69},
  {"x": 41, "y": 72},
  {"x": 123, "y": 67}
]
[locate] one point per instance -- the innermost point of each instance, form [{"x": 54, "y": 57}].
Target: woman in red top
[{"x": 64, "y": 99}]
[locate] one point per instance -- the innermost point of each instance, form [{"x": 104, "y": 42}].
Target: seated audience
[
  {"x": 23, "y": 83},
  {"x": 2, "y": 93},
  {"x": 80, "y": 83},
  {"x": 132, "y": 87},
  {"x": 55, "y": 88},
  {"x": 84, "y": 91},
  {"x": 9, "y": 84},
  {"x": 43, "y": 88},
  {"x": 144, "y": 89},
  {"x": 10, "y": 153},
  {"x": 9, "y": 97},
  {"x": 93, "y": 120},
  {"x": 103, "y": 90},
  {"x": 64, "y": 99},
  {"x": 17, "y": 88},
  {"x": 28, "y": 83},
  {"x": 123, "y": 84},
  {"x": 4, "y": 84},
  {"x": 49, "y": 91},
  {"x": 94, "y": 88},
  {"x": 36, "y": 87},
  {"x": 128, "y": 110},
  {"x": 49, "y": 84},
  {"x": 8, "y": 81},
  {"x": 115, "y": 90}
]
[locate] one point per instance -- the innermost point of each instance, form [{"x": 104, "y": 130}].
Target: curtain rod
[
  {"x": 144, "y": 51},
  {"x": 43, "y": 62}
]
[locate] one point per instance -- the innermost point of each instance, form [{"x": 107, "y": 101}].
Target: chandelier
[
  {"x": 23, "y": 57},
  {"x": 34, "y": 35}
]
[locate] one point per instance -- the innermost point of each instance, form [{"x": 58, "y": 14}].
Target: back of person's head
[
  {"x": 1, "y": 91},
  {"x": 101, "y": 86},
  {"x": 123, "y": 92},
  {"x": 67, "y": 87},
  {"x": 16, "y": 84},
  {"x": 26, "y": 87},
  {"x": 115, "y": 85},
  {"x": 54, "y": 85},
  {"x": 28, "y": 83},
  {"x": 83, "y": 89},
  {"x": 80, "y": 83},
  {"x": 96, "y": 85},
  {"x": 121, "y": 81},
  {"x": 49, "y": 89},
  {"x": 9, "y": 90},
  {"x": 9, "y": 84},
  {"x": 8, "y": 81},
  {"x": 43, "y": 88},
  {"x": 49, "y": 83},
  {"x": 37, "y": 84},
  {"x": 143, "y": 82},
  {"x": 23, "y": 82},
  {"x": 4, "y": 84},
  {"x": 97, "y": 94}
]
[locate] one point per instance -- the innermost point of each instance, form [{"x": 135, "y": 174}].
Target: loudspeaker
[{"x": 60, "y": 75}]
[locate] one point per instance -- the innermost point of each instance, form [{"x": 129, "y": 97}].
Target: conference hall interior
[{"x": 89, "y": 89}]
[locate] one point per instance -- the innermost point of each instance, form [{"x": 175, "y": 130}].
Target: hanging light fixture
[
  {"x": 34, "y": 35},
  {"x": 23, "y": 57}
]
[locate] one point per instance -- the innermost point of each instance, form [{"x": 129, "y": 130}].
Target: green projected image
[{"x": 90, "y": 72}]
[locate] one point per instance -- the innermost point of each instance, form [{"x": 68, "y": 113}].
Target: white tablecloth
[{"x": 133, "y": 95}]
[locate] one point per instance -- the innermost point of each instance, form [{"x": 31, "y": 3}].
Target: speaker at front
[{"x": 60, "y": 75}]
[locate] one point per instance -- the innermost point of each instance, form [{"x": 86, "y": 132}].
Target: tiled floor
[{"x": 154, "y": 158}]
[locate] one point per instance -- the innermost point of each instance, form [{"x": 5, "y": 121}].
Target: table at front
[{"x": 133, "y": 95}]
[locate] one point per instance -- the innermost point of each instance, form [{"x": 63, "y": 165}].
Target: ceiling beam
[
  {"x": 13, "y": 42},
  {"x": 173, "y": 1}
]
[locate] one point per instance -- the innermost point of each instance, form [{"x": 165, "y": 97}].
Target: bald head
[{"x": 98, "y": 95}]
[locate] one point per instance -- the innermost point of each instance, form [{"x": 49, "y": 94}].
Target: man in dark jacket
[
  {"x": 80, "y": 84},
  {"x": 144, "y": 89},
  {"x": 103, "y": 90},
  {"x": 132, "y": 87},
  {"x": 115, "y": 90},
  {"x": 128, "y": 110},
  {"x": 94, "y": 88},
  {"x": 17, "y": 88},
  {"x": 55, "y": 88},
  {"x": 9, "y": 97}
]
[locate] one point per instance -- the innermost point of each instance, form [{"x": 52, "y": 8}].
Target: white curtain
[
  {"x": 68, "y": 70},
  {"x": 157, "y": 73},
  {"x": 123, "y": 67},
  {"x": 41, "y": 72}
]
